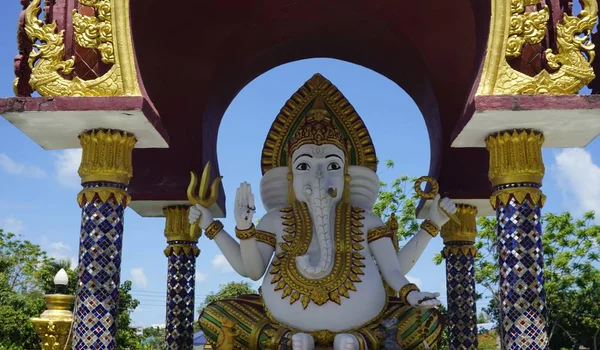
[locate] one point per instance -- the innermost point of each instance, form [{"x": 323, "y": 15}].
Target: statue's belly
[{"x": 364, "y": 304}]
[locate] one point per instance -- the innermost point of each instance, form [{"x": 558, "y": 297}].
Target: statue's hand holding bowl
[
  {"x": 198, "y": 211},
  {"x": 423, "y": 300},
  {"x": 436, "y": 214},
  {"x": 244, "y": 208}
]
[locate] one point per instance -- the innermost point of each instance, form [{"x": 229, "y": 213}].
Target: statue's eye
[
  {"x": 303, "y": 167},
  {"x": 333, "y": 166}
]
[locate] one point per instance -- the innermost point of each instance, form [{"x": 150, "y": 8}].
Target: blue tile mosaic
[
  {"x": 523, "y": 310},
  {"x": 98, "y": 273},
  {"x": 462, "y": 311},
  {"x": 180, "y": 300}
]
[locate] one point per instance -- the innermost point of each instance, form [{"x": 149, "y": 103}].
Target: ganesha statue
[{"x": 333, "y": 275}]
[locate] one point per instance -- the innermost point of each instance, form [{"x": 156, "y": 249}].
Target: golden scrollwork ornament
[
  {"x": 511, "y": 27},
  {"x": 108, "y": 32}
]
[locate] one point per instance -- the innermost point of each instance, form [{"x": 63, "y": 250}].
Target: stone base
[
  {"x": 565, "y": 120},
  {"x": 55, "y": 122}
]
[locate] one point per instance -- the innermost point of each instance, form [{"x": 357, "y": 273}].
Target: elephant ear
[
  {"x": 274, "y": 189},
  {"x": 364, "y": 187}
]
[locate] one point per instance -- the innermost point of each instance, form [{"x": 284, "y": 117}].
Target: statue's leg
[
  {"x": 412, "y": 328},
  {"x": 302, "y": 341},
  {"x": 242, "y": 323},
  {"x": 346, "y": 342}
]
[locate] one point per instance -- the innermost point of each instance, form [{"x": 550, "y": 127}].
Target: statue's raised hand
[
  {"x": 198, "y": 211},
  {"x": 423, "y": 300},
  {"x": 437, "y": 215},
  {"x": 244, "y": 208}
]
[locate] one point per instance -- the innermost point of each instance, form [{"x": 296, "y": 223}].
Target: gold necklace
[{"x": 347, "y": 266}]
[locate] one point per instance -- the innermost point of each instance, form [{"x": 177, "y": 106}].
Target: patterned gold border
[
  {"x": 571, "y": 61},
  {"x": 294, "y": 108}
]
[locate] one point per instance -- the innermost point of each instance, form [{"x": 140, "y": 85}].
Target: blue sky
[{"x": 38, "y": 188}]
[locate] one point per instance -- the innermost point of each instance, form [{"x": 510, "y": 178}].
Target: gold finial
[{"x": 53, "y": 327}]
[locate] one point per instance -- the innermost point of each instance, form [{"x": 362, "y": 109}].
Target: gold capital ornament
[
  {"x": 459, "y": 238},
  {"x": 106, "y": 157},
  {"x": 516, "y": 158},
  {"x": 177, "y": 232}
]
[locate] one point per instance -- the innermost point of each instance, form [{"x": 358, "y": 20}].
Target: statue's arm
[
  {"x": 250, "y": 257},
  {"x": 379, "y": 238},
  {"x": 411, "y": 252}
]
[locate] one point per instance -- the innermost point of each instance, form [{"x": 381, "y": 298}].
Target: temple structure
[{"x": 495, "y": 80}]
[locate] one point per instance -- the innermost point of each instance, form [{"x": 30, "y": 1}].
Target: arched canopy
[{"x": 195, "y": 59}]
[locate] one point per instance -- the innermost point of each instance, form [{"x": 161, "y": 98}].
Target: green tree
[
  {"x": 126, "y": 335},
  {"x": 20, "y": 295},
  {"x": 227, "y": 291},
  {"x": 572, "y": 277},
  {"x": 400, "y": 199},
  {"x": 26, "y": 273},
  {"x": 154, "y": 338}
]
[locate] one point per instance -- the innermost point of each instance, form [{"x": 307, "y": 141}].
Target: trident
[
  {"x": 435, "y": 187},
  {"x": 204, "y": 197}
]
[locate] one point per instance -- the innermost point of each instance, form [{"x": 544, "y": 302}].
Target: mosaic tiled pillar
[
  {"x": 105, "y": 171},
  {"x": 460, "y": 253},
  {"x": 516, "y": 172},
  {"x": 181, "y": 253}
]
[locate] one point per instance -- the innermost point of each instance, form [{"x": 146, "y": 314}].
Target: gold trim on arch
[
  {"x": 111, "y": 34},
  {"x": 296, "y": 107},
  {"x": 571, "y": 61}
]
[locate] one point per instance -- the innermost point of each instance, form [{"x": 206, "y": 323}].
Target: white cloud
[
  {"x": 10, "y": 224},
  {"x": 579, "y": 179},
  {"x": 221, "y": 263},
  {"x": 66, "y": 165},
  {"x": 415, "y": 280},
  {"x": 139, "y": 277},
  {"x": 201, "y": 276},
  {"x": 14, "y": 168}
]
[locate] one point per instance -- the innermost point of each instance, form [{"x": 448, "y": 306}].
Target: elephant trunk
[{"x": 321, "y": 200}]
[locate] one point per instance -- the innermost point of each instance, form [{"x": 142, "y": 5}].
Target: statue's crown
[{"x": 318, "y": 128}]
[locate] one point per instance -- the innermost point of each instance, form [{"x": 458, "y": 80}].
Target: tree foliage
[
  {"x": 400, "y": 199},
  {"x": 571, "y": 274},
  {"x": 227, "y": 291},
  {"x": 26, "y": 274}
]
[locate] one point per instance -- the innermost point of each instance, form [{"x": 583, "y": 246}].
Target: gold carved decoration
[
  {"x": 459, "y": 239},
  {"x": 106, "y": 156},
  {"x": 53, "y": 327},
  {"x": 347, "y": 265},
  {"x": 95, "y": 32},
  {"x": 379, "y": 232},
  {"x": 467, "y": 230},
  {"x": 108, "y": 32},
  {"x": 104, "y": 194},
  {"x": 511, "y": 27},
  {"x": 177, "y": 224},
  {"x": 515, "y": 157},
  {"x": 525, "y": 27},
  {"x": 318, "y": 92},
  {"x": 520, "y": 194}
]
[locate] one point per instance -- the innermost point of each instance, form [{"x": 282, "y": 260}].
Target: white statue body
[{"x": 318, "y": 173}]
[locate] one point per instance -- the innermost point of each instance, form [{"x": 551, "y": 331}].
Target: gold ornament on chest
[{"x": 347, "y": 267}]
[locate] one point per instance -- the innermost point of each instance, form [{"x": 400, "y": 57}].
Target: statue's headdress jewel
[{"x": 317, "y": 128}]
